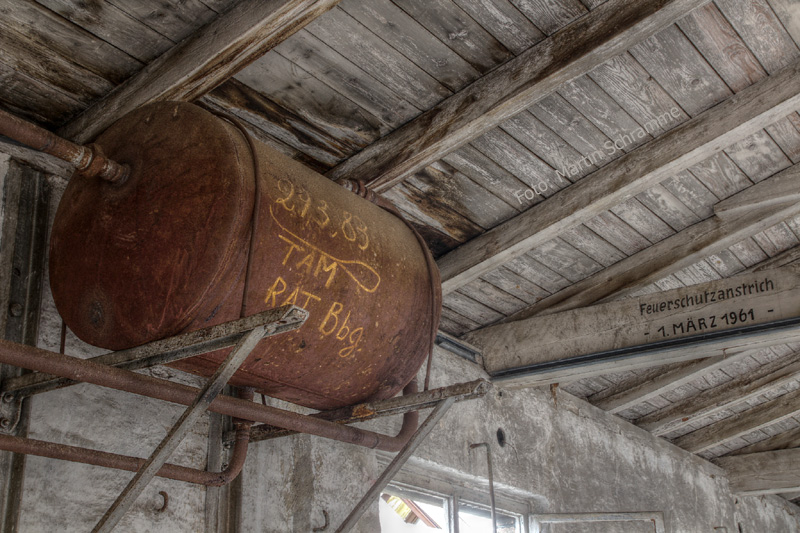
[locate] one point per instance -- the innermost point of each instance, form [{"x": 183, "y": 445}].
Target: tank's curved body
[{"x": 168, "y": 252}]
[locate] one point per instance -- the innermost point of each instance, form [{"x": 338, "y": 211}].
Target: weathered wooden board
[
  {"x": 114, "y": 26},
  {"x": 546, "y": 144},
  {"x": 536, "y": 73},
  {"x": 692, "y": 142},
  {"x": 593, "y": 245},
  {"x": 174, "y": 20},
  {"x": 679, "y": 68},
  {"x": 550, "y": 16},
  {"x": 763, "y": 473},
  {"x": 722, "y": 47},
  {"x": 692, "y": 193},
  {"x": 665, "y": 258},
  {"x": 617, "y": 232},
  {"x": 294, "y": 88},
  {"x": 760, "y": 28},
  {"x": 643, "y": 220},
  {"x": 668, "y": 208},
  {"x": 505, "y": 22},
  {"x": 708, "y": 403},
  {"x": 682, "y": 313},
  {"x": 202, "y": 61},
  {"x": 721, "y": 176},
  {"x": 602, "y": 110},
  {"x": 639, "y": 93},
  {"x": 758, "y": 156},
  {"x": 33, "y": 99},
  {"x": 410, "y": 38},
  {"x": 451, "y": 25},
  {"x": 330, "y": 67},
  {"x": 380, "y": 60},
  {"x": 487, "y": 173},
  {"x": 754, "y": 419},
  {"x": 68, "y": 39},
  {"x": 445, "y": 185}
]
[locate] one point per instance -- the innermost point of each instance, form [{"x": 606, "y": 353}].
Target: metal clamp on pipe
[{"x": 88, "y": 160}]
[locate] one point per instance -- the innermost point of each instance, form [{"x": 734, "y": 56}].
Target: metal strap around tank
[{"x": 162, "y": 351}]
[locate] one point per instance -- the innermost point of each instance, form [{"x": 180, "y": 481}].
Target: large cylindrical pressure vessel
[{"x": 169, "y": 251}]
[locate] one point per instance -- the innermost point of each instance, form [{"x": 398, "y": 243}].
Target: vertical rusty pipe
[
  {"x": 88, "y": 160},
  {"x": 491, "y": 480},
  {"x": 88, "y": 372}
]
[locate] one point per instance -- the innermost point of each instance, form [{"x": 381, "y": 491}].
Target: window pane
[{"x": 400, "y": 514}]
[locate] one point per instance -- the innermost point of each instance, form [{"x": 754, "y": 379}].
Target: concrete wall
[{"x": 563, "y": 456}]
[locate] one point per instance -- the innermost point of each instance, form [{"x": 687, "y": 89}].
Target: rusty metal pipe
[
  {"x": 88, "y": 456},
  {"x": 88, "y": 160},
  {"x": 88, "y": 372}
]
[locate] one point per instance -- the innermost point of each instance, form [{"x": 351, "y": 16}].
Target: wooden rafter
[
  {"x": 727, "y": 123},
  {"x": 759, "y": 417},
  {"x": 576, "y": 49},
  {"x": 708, "y": 403},
  {"x": 202, "y": 61}
]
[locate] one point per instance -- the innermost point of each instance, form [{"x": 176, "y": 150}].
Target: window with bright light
[{"x": 408, "y": 511}]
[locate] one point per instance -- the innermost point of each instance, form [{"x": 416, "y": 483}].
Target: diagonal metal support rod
[
  {"x": 166, "y": 350},
  {"x": 184, "y": 424},
  {"x": 397, "y": 463}
]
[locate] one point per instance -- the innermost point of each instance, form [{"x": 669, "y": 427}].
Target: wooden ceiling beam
[
  {"x": 673, "y": 253},
  {"x": 710, "y": 402},
  {"x": 738, "y": 117},
  {"x": 202, "y": 61},
  {"x": 722, "y": 317},
  {"x": 763, "y": 473},
  {"x": 575, "y": 50},
  {"x": 759, "y": 417}
]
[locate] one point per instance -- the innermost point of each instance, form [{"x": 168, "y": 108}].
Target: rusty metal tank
[{"x": 212, "y": 225}]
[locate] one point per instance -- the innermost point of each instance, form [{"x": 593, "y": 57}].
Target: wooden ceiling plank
[
  {"x": 201, "y": 61},
  {"x": 505, "y": 22},
  {"x": 781, "y": 441},
  {"x": 784, "y": 258},
  {"x": 759, "y": 417},
  {"x": 763, "y": 473},
  {"x": 536, "y": 73},
  {"x": 750, "y": 110},
  {"x": 710, "y": 402},
  {"x": 722, "y": 47}
]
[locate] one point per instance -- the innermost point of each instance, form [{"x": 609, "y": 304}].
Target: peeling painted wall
[{"x": 563, "y": 456}]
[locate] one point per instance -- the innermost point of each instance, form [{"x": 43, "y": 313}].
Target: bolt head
[
  {"x": 5, "y": 423},
  {"x": 8, "y": 397},
  {"x": 15, "y": 309}
]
